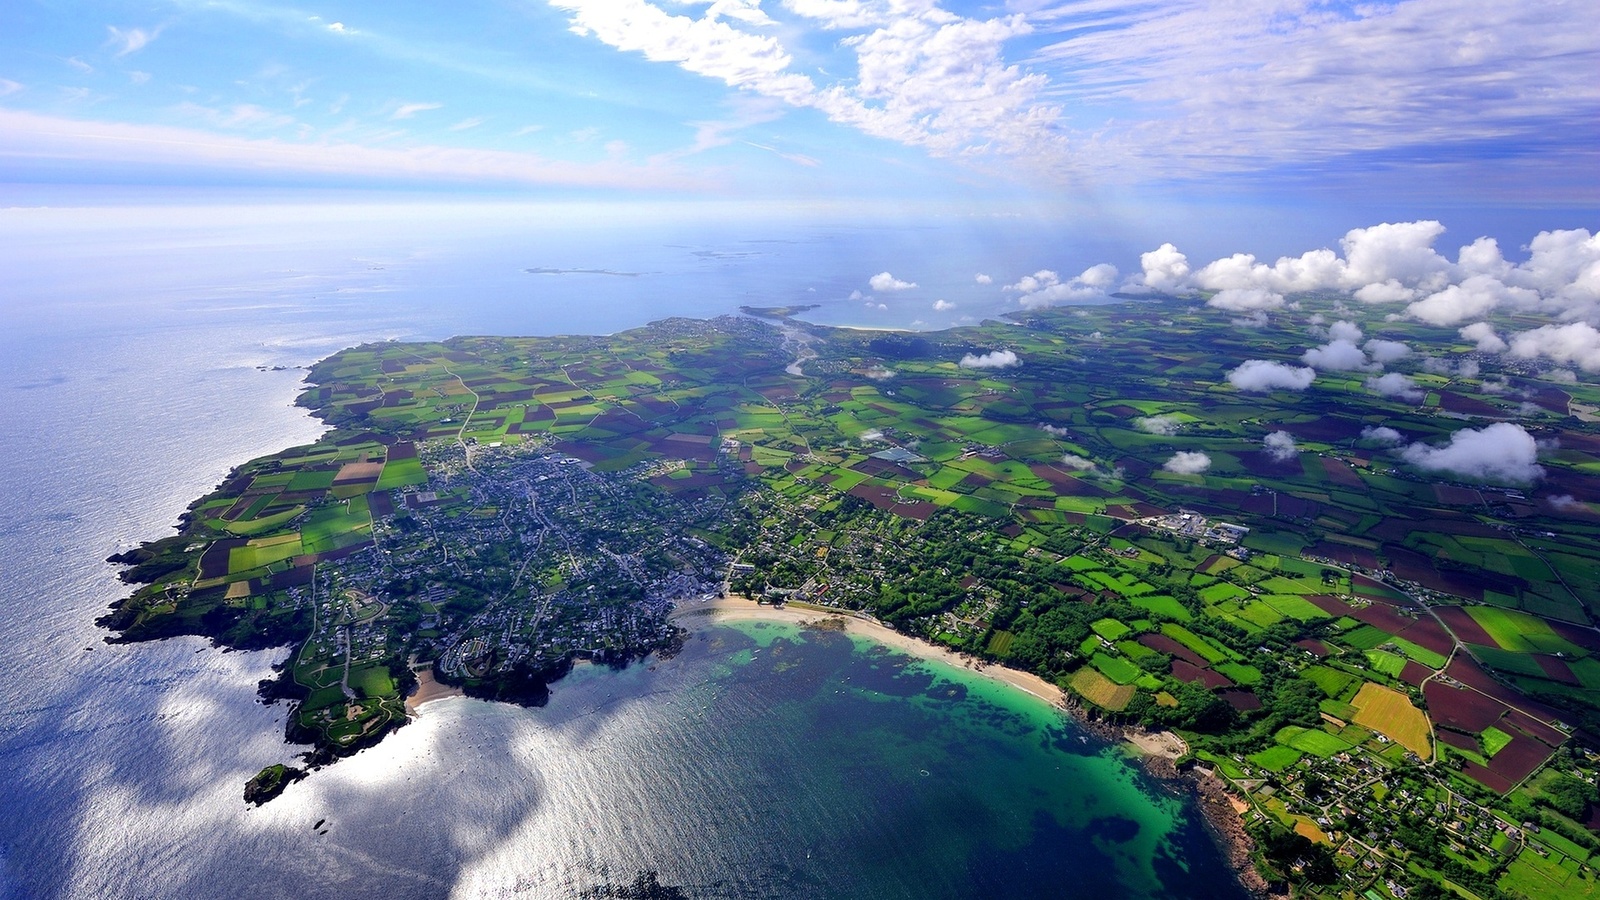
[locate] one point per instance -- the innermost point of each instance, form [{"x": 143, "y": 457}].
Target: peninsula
[{"x": 1364, "y": 601}]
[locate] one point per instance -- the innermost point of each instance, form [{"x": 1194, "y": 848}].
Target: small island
[{"x": 1381, "y": 659}]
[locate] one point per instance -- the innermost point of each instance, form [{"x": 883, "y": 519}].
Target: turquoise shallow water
[{"x": 771, "y": 761}]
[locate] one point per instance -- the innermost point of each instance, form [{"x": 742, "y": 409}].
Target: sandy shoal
[{"x": 796, "y": 613}]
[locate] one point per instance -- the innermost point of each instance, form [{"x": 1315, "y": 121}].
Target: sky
[{"x": 1392, "y": 110}]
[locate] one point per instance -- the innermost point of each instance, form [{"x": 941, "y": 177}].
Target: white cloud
[
  {"x": 1499, "y": 452},
  {"x": 1164, "y": 269},
  {"x": 1045, "y": 288},
  {"x": 923, "y": 76},
  {"x": 1073, "y": 461},
  {"x": 1394, "y": 385},
  {"x": 1385, "y": 352},
  {"x": 1390, "y": 291},
  {"x": 1482, "y": 334},
  {"x": 1280, "y": 446},
  {"x": 871, "y": 434},
  {"x": 26, "y": 136},
  {"x": 1562, "y": 376},
  {"x": 1382, "y": 434},
  {"x": 1345, "y": 331},
  {"x": 1566, "y": 503},
  {"x": 982, "y": 278},
  {"x": 887, "y": 283},
  {"x": 407, "y": 110},
  {"x": 1266, "y": 375},
  {"x": 1336, "y": 356},
  {"x": 1576, "y": 344},
  {"x": 879, "y": 373},
  {"x": 1188, "y": 462},
  {"x": 994, "y": 359},
  {"x": 1473, "y": 298},
  {"x": 467, "y": 124},
  {"x": 1245, "y": 300},
  {"x": 943, "y": 306},
  {"x": 130, "y": 40},
  {"x": 1158, "y": 424},
  {"x": 9, "y": 87}
]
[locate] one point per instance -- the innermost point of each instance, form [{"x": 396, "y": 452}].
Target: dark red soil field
[
  {"x": 1556, "y": 669},
  {"x": 1340, "y": 472},
  {"x": 1425, "y": 632},
  {"x": 1163, "y": 644},
  {"x": 1465, "y": 627},
  {"x": 1183, "y": 671},
  {"x": 1415, "y": 673},
  {"x": 214, "y": 562},
  {"x": 1314, "y": 647},
  {"x": 1242, "y": 700},
  {"x": 1461, "y": 708},
  {"x": 1518, "y": 759}
]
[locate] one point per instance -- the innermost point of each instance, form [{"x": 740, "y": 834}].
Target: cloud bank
[{"x": 1501, "y": 452}]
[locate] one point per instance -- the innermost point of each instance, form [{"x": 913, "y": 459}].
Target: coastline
[
  {"x": 803, "y": 613},
  {"x": 1156, "y": 752}
]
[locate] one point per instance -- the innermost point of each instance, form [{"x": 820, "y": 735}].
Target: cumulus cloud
[
  {"x": 1576, "y": 344},
  {"x": 994, "y": 359},
  {"x": 1382, "y": 434},
  {"x": 1280, "y": 446},
  {"x": 879, "y": 373},
  {"x": 1266, "y": 375},
  {"x": 1046, "y": 288},
  {"x": 1164, "y": 269},
  {"x": 1345, "y": 331},
  {"x": 1188, "y": 462},
  {"x": 1473, "y": 298},
  {"x": 943, "y": 306},
  {"x": 1390, "y": 291},
  {"x": 1397, "y": 263},
  {"x": 1566, "y": 503},
  {"x": 1164, "y": 424},
  {"x": 1336, "y": 356},
  {"x": 1482, "y": 334},
  {"x": 982, "y": 278},
  {"x": 1500, "y": 452},
  {"x": 871, "y": 434},
  {"x": 1245, "y": 300},
  {"x": 1396, "y": 386},
  {"x": 887, "y": 283},
  {"x": 1073, "y": 461},
  {"x": 1054, "y": 430},
  {"x": 1385, "y": 352},
  {"x": 1562, "y": 376}
]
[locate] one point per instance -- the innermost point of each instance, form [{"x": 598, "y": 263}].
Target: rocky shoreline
[{"x": 1211, "y": 797}]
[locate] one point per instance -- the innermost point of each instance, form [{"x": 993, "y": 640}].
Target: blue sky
[{"x": 1405, "y": 108}]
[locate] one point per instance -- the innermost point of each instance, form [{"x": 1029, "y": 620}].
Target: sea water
[{"x": 144, "y": 352}]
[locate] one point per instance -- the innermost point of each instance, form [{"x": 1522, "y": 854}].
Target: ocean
[{"x": 143, "y": 352}]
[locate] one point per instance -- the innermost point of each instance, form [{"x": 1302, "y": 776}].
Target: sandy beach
[
  {"x": 429, "y": 689},
  {"x": 799, "y": 613}
]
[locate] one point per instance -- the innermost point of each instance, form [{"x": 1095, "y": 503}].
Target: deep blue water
[{"x": 132, "y": 349}]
